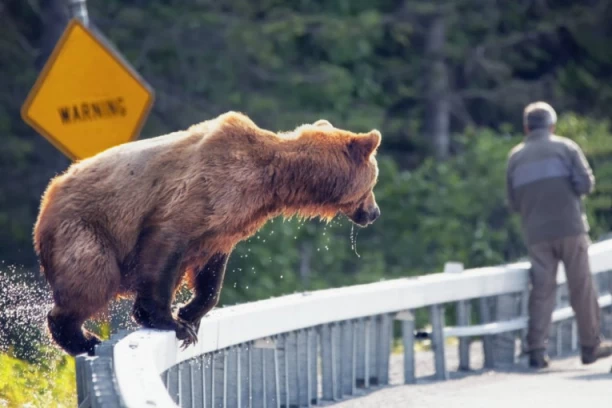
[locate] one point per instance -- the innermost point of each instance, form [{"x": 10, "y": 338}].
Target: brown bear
[{"x": 136, "y": 219}]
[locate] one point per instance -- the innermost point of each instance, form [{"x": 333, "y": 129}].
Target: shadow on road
[{"x": 593, "y": 377}]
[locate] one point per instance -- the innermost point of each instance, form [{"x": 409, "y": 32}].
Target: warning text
[{"x": 94, "y": 110}]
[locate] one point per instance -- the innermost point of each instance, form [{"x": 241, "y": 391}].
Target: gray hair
[{"x": 539, "y": 115}]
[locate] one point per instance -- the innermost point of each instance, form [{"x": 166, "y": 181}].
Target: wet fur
[{"x": 140, "y": 217}]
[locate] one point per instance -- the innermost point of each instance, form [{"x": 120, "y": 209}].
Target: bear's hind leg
[
  {"x": 207, "y": 285},
  {"x": 66, "y": 330},
  {"x": 84, "y": 278}
]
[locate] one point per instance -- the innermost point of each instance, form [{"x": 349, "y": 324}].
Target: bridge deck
[{"x": 566, "y": 382}]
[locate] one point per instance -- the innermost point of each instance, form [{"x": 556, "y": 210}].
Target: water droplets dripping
[{"x": 354, "y": 241}]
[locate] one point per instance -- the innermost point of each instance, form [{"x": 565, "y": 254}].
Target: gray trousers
[{"x": 545, "y": 258}]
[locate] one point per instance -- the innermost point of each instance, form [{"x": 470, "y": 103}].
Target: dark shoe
[
  {"x": 592, "y": 354},
  {"x": 538, "y": 359}
]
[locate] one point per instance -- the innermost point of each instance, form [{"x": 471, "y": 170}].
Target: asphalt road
[{"x": 565, "y": 383}]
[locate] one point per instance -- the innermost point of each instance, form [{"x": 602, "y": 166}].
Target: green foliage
[
  {"x": 50, "y": 383},
  {"x": 595, "y": 139}
]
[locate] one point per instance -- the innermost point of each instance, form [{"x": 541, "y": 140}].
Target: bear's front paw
[
  {"x": 185, "y": 332},
  {"x": 186, "y": 315}
]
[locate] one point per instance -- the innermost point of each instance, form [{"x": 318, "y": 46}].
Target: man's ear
[{"x": 361, "y": 147}]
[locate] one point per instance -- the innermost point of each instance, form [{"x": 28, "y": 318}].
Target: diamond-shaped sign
[{"x": 87, "y": 98}]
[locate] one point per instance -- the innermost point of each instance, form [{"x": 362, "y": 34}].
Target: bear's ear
[
  {"x": 323, "y": 123},
  {"x": 361, "y": 147}
]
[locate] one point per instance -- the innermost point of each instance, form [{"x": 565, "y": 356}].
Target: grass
[{"x": 50, "y": 383}]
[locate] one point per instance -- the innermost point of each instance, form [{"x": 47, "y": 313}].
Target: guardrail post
[
  {"x": 218, "y": 384},
  {"x": 291, "y": 359},
  {"x": 303, "y": 369},
  {"x": 82, "y": 379},
  {"x": 504, "y": 344},
  {"x": 566, "y": 336},
  {"x": 258, "y": 399},
  {"x": 185, "y": 384},
  {"x": 88, "y": 373},
  {"x": 606, "y": 286},
  {"x": 348, "y": 358},
  {"x": 360, "y": 344},
  {"x": 265, "y": 374},
  {"x": 283, "y": 369},
  {"x": 208, "y": 374},
  {"x": 437, "y": 322},
  {"x": 372, "y": 340},
  {"x": 385, "y": 336},
  {"x": 574, "y": 336},
  {"x": 553, "y": 338},
  {"x": 487, "y": 341},
  {"x": 196, "y": 371},
  {"x": 289, "y": 377},
  {"x": 313, "y": 358},
  {"x": 233, "y": 378},
  {"x": 407, "y": 319},
  {"x": 104, "y": 392},
  {"x": 271, "y": 377},
  {"x": 463, "y": 319},
  {"x": 245, "y": 375},
  {"x": 524, "y": 311},
  {"x": 331, "y": 362},
  {"x": 327, "y": 363},
  {"x": 564, "y": 329},
  {"x": 337, "y": 347},
  {"x": 96, "y": 386}
]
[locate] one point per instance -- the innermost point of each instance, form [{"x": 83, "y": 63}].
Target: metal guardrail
[{"x": 301, "y": 349}]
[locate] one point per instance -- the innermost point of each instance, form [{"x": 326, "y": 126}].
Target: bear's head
[{"x": 346, "y": 170}]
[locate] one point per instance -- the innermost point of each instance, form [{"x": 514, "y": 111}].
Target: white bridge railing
[{"x": 298, "y": 350}]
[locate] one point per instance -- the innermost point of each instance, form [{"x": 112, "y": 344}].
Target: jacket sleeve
[
  {"x": 582, "y": 175},
  {"x": 510, "y": 200}
]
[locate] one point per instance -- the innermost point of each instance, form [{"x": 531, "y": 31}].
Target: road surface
[{"x": 565, "y": 383}]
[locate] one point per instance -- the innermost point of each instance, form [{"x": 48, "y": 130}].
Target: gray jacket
[{"x": 546, "y": 177}]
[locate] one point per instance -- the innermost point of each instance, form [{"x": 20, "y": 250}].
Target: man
[{"x": 546, "y": 178}]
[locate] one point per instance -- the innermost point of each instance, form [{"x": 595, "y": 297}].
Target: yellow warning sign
[{"x": 87, "y": 98}]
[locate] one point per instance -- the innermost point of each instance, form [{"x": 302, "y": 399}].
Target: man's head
[{"x": 539, "y": 115}]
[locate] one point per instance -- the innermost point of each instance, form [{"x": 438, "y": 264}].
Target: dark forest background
[{"x": 444, "y": 81}]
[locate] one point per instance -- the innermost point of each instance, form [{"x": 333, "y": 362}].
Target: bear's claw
[{"x": 186, "y": 332}]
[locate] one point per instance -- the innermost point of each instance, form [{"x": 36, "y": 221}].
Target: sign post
[
  {"x": 78, "y": 9},
  {"x": 87, "y": 98}
]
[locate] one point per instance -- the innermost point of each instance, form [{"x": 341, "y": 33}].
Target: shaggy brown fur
[{"x": 137, "y": 218}]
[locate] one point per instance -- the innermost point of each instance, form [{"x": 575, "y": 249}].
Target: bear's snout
[
  {"x": 374, "y": 214},
  {"x": 363, "y": 217}
]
